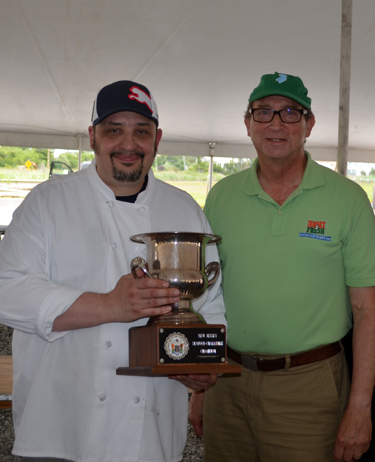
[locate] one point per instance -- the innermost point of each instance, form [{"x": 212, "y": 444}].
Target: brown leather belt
[{"x": 255, "y": 363}]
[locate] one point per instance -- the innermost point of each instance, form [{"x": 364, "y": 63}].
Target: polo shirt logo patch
[
  {"x": 316, "y": 227},
  {"x": 316, "y": 230}
]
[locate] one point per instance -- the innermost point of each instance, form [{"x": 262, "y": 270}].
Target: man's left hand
[
  {"x": 353, "y": 436},
  {"x": 196, "y": 382},
  {"x": 354, "y": 432}
]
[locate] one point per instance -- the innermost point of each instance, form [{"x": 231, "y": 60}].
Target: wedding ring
[{"x": 357, "y": 456}]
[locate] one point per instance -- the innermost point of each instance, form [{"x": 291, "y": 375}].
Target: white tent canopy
[{"x": 200, "y": 58}]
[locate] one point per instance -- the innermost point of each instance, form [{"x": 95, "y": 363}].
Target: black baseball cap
[{"x": 124, "y": 95}]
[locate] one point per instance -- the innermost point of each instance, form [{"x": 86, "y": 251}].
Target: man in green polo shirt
[{"x": 298, "y": 262}]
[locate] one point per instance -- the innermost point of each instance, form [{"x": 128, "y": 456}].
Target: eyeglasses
[{"x": 288, "y": 116}]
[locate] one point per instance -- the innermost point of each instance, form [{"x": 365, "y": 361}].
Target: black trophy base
[{"x": 172, "y": 349}]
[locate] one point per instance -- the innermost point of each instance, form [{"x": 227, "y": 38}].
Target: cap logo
[
  {"x": 140, "y": 96},
  {"x": 282, "y": 78}
]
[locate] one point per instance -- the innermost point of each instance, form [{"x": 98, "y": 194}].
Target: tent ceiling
[{"x": 200, "y": 58}]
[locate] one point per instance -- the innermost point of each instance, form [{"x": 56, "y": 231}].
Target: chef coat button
[
  {"x": 108, "y": 344},
  {"x": 141, "y": 209},
  {"x": 102, "y": 397},
  {"x": 114, "y": 245},
  {"x": 136, "y": 399},
  {"x": 111, "y": 204}
]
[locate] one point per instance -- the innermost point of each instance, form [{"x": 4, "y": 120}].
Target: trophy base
[
  {"x": 179, "y": 369},
  {"x": 172, "y": 349}
]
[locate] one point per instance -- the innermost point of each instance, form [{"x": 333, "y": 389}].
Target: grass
[
  {"x": 197, "y": 189},
  {"x": 193, "y": 183},
  {"x": 196, "y": 184},
  {"x": 16, "y": 174},
  {"x": 185, "y": 176}
]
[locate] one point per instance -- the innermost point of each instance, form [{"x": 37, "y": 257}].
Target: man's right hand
[
  {"x": 133, "y": 299},
  {"x": 130, "y": 300}
]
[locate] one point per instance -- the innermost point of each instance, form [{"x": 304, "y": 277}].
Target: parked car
[{"x": 59, "y": 168}]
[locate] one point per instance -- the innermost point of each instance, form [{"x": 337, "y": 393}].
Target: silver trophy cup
[
  {"x": 178, "y": 342},
  {"x": 178, "y": 258}
]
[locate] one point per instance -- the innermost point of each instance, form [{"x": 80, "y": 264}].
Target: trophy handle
[
  {"x": 139, "y": 263},
  {"x": 212, "y": 267}
]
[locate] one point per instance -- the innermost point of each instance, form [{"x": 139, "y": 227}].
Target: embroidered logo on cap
[
  {"x": 316, "y": 230},
  {"x": 140, "y": 96},
  {"x": 282, "y": 78}
]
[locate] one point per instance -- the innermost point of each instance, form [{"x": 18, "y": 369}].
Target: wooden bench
[{"x": 6, "y": 380}]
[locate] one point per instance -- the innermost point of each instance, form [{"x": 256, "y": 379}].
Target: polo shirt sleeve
[{"x": 359, "y": 247}]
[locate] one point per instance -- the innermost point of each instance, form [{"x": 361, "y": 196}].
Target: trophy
[{"x": 178, "y": 342}]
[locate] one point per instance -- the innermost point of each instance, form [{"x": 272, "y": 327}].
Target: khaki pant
[{"x": 281, "y": 416}]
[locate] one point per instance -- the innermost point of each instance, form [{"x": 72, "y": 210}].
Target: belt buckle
[{"x": 250, "y": 362}]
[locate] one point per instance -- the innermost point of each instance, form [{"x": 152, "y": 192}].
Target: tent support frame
[{"x": 344, "y": 108}]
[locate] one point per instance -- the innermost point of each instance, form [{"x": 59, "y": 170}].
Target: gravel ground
[
  {"x": 194, "y": 447},
  {"x": 6, "y": 436},
  {"x": 6, "y": 422},
  {"x": 5, "y": 340},
  {"x": 193, "y": 451}
]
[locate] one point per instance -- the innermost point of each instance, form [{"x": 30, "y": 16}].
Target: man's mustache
[{"x": 115, "y": 153}]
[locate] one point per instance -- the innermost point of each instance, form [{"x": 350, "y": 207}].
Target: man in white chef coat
[{"x": 65, "y": 288}]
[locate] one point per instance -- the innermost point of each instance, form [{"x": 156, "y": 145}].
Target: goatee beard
[{"x": 129, "y": 177}]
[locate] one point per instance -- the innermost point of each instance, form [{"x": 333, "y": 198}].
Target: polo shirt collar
[
  {"x": 312, "y": 178},
  {"x": 251, "y": 185}
]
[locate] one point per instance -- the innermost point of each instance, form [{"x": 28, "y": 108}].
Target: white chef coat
[{"x": 70, "y": 235}]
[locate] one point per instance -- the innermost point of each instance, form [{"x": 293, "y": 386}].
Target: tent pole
[
  {"x": 79, "y": 136},
  {"x": 211, "y": 166},
  {"x": 345, "y": 59}
]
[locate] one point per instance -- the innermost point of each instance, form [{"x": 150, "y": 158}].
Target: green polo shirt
[{"x": 286, "y": 268}]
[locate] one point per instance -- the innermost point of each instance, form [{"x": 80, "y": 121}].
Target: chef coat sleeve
[{"x": 30, "y": 301}]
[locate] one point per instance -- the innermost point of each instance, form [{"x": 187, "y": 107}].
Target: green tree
[
  {"x": 199, "y": 166},
  {"x": 235, "y": 167},
  {"x": 71, "y": 158},
  {"x": 43, "y": 155},
  {"x": 173, "y": 163},
  {"x": 218, "y": 168},
  {"x": 87, "y": 155},
  {"x": 11, "y": 156}
]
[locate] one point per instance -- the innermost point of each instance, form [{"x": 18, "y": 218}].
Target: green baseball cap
[{"x": 284, "y": 85}]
